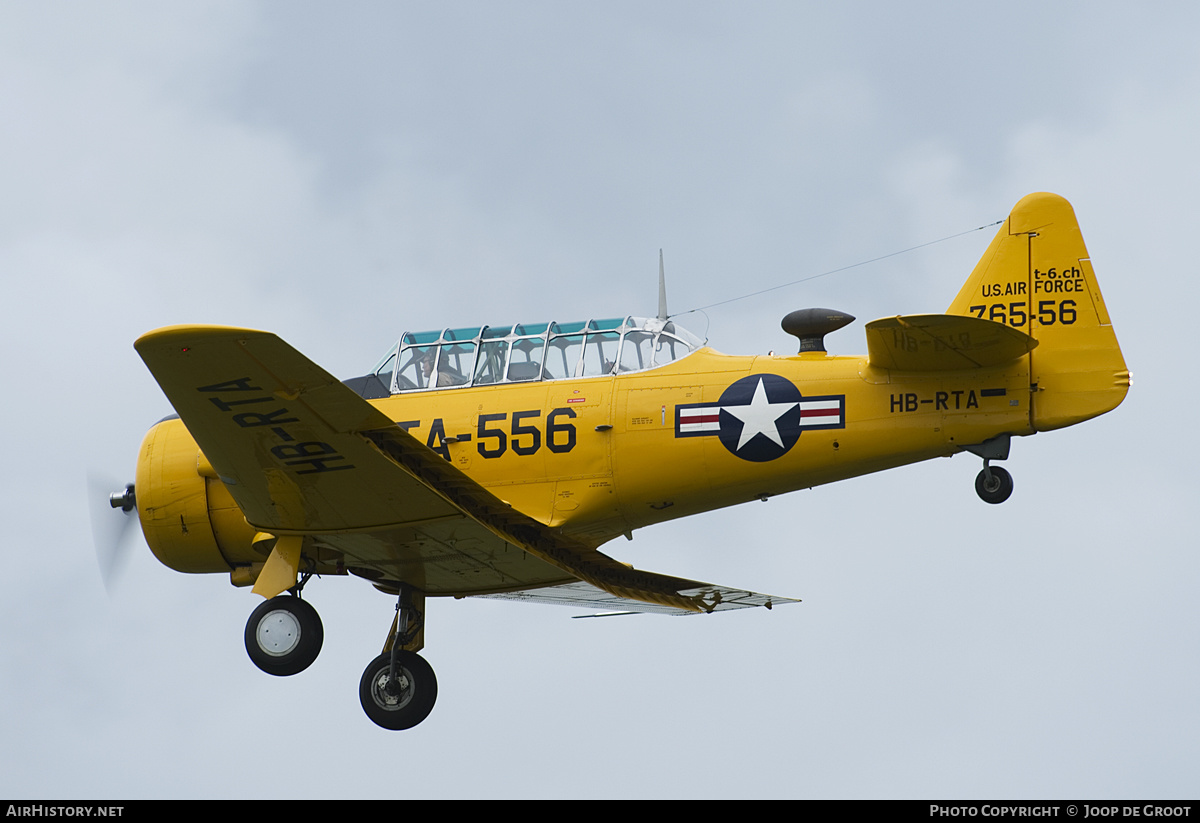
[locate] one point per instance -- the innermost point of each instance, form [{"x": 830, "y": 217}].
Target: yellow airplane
[{"x": 494, "y": 461}]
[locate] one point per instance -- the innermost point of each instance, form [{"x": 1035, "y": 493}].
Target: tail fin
[{"x": 1036, "y": 276}]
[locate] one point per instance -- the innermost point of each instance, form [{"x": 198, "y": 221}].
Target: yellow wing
[{"x": 305, "y": 457}]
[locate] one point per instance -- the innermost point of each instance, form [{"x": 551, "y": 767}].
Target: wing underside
[
  {"x": 585, "y": 596},
  {"x": 304, "y": 455}
]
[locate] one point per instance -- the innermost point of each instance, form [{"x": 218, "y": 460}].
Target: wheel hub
[
  {"x": 278, "y": 633},
  {"x": 395, "y": 693}
]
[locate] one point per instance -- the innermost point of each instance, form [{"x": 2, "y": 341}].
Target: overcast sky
[{"x": 338, "y": 173}]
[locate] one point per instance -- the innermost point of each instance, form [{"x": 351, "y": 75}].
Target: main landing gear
[
  {"x": 284, "y": 635},
  {"x": 397, "y": 690}
]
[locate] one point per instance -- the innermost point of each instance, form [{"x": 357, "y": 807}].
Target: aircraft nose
[{"x": 123, "y": 500}]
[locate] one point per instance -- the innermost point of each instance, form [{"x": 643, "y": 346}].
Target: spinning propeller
[{"x": 110, "y": 533}]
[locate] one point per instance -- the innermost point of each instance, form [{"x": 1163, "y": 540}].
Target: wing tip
[{"x": 184, "y": 333}]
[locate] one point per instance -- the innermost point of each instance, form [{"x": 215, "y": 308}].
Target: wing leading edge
[{"x": 302, "y": 454}]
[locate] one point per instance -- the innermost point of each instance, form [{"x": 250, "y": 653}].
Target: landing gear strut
[{"x": 398, "y": 689}]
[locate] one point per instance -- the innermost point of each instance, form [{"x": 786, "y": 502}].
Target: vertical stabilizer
[{"x": 1037, "y": 276}]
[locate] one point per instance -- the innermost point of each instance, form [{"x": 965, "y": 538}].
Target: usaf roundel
[{"x": 760, "y": 417}]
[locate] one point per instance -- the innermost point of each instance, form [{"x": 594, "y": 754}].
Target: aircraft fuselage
[{"x": 602, "y": 456}]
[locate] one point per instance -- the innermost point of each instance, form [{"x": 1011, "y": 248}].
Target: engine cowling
[{"x": 188, "y": 517}]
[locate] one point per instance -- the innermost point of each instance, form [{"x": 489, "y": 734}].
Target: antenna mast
[{"x": 662, "y": 288}]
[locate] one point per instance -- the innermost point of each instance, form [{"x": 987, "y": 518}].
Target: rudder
[{"x": 1037, "y": 276}]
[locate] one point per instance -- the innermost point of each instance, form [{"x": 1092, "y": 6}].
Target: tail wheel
[
  {"x": 995, "y": 488},
  {"x": 284, "y": 635},
  {"x": 403, "y": 701}
]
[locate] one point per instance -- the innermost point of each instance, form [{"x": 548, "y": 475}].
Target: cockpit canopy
[{"x": 489, "y": 355}]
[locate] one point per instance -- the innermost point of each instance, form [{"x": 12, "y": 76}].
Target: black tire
[
  {"x": 284, "y": 635},
  {"x": 416, "y": 696},
  {"x": 998, "y": 490}
]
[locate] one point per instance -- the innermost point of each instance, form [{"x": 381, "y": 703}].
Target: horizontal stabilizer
[{"x": 943, "y": 342}]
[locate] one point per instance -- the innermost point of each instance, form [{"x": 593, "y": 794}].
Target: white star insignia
[{"x": 760, "y": 417}]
